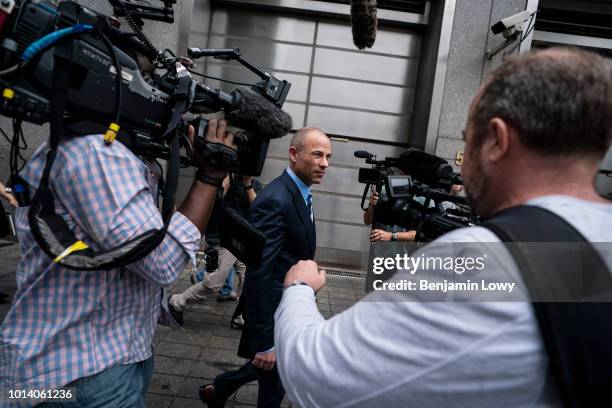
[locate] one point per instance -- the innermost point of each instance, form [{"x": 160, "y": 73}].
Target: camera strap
[
  {"x": 363, "y": 197},
  {"x": 576, "y": 330},
  {"x": 50, "y": 230}
]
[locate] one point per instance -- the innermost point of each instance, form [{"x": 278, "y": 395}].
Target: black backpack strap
[{"x": 576, "y": 330}]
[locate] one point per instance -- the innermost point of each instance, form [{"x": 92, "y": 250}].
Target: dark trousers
[
  {"x": 5, "y": 227},
  {"x": 271, "y": 391}
]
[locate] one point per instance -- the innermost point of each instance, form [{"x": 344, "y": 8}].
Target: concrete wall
[{"x": 467, "y": 66}]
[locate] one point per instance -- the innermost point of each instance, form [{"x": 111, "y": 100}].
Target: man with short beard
[{"x": 535, "y": 135}]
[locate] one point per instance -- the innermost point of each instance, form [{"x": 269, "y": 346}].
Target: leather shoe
[
  {"x": 230, "y": 296},
  {"x": 237, "y": 322},
  {"x": 207, "y": 396}
]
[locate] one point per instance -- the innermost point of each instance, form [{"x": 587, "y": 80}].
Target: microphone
[
  {"x": 362, "y": 154},
  {"x": 427, "y": 168},
  {"x": 364, "y": 23},
  {"x": 195, "y": 52},
  {"x": 258, "y": 115}
]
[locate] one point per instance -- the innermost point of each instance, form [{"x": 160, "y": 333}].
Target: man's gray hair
[{"x": 559, "y": 100}]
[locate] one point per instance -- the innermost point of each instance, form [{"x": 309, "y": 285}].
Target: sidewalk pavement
[{"x": 186, "y": 360}]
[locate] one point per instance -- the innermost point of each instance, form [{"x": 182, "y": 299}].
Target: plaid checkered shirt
[{"x": 66, "y": 324}]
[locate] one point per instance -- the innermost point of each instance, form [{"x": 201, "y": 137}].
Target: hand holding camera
[
  {"x": 373, "y": 199},
  {"x": 213, "y": 154}
]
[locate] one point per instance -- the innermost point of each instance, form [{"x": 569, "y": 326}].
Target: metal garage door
[{"x": 358, "y": 97}]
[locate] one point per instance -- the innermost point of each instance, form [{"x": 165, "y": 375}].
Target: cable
[
  {"x": 15, "y": 154},
  {"x": 219, "y": 79},
  {"x": 528, "y": 31},
  {"x": 16, "y": 148},
  {"x": 10, "y": 70},
  {"x": 8, "y": 139},
  {"x": 530, "y": 26},
  {"x": 138, "y": 31},
  {"x": 21, "y": 136}
]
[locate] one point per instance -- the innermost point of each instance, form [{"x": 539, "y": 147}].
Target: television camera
[
  {"x": 374, "y": 176},
  {"x": 422, "y": 198},
  {"x": 72, "y": 67}
]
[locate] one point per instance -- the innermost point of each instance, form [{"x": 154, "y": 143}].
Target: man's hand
[
  {"x": 215, "y": 133},
  {"x": 10, "y": 198},
  {"x": 264, "y": 361},
  {"x": 380, "y": 235},
  {"x": 12, "y": 201},
  {"x": 308, "y": 272},
  {"x": 373, "y": 199},
  {"x": 200, "y": 200}
]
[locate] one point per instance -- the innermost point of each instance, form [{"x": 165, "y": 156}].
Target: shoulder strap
[{"x": 577, "y": 331}]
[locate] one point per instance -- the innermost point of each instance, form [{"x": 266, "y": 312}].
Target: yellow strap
[
  {"x": 111, "y": 133},
  {"x": 77, "y": 246}
]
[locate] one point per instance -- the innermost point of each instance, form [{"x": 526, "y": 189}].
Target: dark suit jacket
[{"x": 281, "y": 214}]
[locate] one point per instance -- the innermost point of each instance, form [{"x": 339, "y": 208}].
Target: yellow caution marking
[
  {"x": 111, "y": 133},
  {"x": 77, "y": 246},
  {"x": 8, "y": 93}
]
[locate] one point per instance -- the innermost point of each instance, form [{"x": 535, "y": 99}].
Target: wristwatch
[
  {"x": 250, "y": 186},
  {"x": 296, "y": 283},
  {"x": 394, "y": 236}
]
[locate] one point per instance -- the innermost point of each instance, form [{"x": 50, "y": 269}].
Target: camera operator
[
  {"x": 381, "y": 232},
  {"x": 536, "y": 132},
  {"x": 92, "y": 330}
]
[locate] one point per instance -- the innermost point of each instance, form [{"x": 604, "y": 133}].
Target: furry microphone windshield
[
  {"x": 259, "y": 116},
  {"x": 364, "y": 23}
]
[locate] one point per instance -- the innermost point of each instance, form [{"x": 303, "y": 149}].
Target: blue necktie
[{"x": 309, "y": 203}]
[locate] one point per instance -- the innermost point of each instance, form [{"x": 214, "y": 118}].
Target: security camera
[
  {"x": 515, "y": 21},
  {"x": 512, "y": 28}
]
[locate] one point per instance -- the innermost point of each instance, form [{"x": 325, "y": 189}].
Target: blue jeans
[
  {"x": 123, "y": 385},
  {"x": 227, "y": 288}
]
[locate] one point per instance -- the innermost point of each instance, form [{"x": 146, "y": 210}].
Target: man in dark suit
[{"x": 283, "y": 212}]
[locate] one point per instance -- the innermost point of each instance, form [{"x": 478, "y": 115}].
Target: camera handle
[
  {"x": 363, "y": 197},
  {"x": 378, "y": 189}
]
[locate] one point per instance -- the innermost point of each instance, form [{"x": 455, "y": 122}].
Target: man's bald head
[{"x": 300, "y": 136}]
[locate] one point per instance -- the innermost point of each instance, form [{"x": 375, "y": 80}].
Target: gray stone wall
[{"x": 467, "y": 65}]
